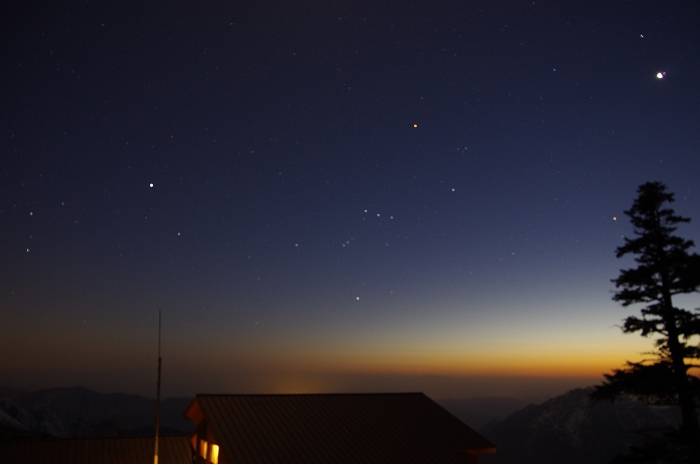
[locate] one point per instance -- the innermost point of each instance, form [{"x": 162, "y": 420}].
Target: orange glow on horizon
[
  {"x": 535, "y": 363},
  {"x": 516, "y": 366}
]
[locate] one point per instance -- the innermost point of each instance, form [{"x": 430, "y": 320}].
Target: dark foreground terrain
[{"x": 569, "y": 428}]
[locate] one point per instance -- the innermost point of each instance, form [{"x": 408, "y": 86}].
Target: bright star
[{"x": 660, "y": 75}]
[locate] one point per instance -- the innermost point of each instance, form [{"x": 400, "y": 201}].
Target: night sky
[{"x": 333, "y": 195}]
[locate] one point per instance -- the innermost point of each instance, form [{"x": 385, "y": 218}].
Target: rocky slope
[
  {"x": 572, "y": 429},
  {"x": 66, "y": 412}
]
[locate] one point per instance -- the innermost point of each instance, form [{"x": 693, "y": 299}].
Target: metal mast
[{"x": 155, "y": 455}]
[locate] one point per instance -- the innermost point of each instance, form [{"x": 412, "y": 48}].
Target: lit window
[
  {"x": 214, "y": 454},
  {"x": 203, "y": 448}
]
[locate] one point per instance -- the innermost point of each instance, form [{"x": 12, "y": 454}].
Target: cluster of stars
[{"x": 377, "y": 214}]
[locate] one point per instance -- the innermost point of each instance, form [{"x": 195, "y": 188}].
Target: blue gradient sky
[{"x": 333, "y": 196}]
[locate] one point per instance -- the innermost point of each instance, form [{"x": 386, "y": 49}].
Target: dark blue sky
[{"x": 320, "y": 191}]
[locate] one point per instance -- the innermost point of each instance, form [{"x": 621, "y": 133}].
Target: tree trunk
[{"x": 690, "y": 428}]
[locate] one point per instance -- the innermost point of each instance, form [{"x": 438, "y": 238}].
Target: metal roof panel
[{"x": 338, "y": 428}]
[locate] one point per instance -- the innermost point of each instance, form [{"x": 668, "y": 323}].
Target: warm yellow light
[
  {"x": 203, "y": 448},
  {"x": 415, "y": 126},
  {"x": 214, "y": 454}
]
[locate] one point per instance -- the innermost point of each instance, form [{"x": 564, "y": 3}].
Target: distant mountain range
[
  {"x": 572, "y": 429},
  {"x": 480, "y": 412},
  {"x": 569, "y": 428},
  {"x": 77, "y": 411}
]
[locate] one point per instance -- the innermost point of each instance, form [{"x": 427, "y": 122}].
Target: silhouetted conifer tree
[{"x": 665, "y": 268}]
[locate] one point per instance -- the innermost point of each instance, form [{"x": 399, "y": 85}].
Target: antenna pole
[{"x": 155, "y": 456}]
